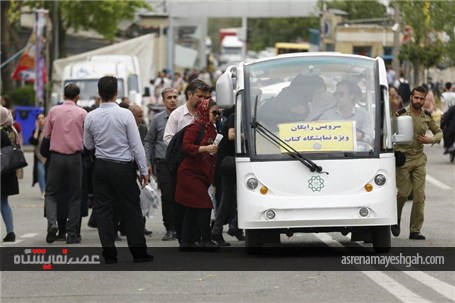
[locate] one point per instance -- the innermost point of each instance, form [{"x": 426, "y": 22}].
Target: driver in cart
[{"x": 346, "y": 94}]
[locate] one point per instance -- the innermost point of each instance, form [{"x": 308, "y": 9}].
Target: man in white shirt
[
  {"x": 196, "y": 91},
  {"x": 447, "y": 97},
  {"x": 113, "y": 133},
  {"x": 347, "y": 93}
]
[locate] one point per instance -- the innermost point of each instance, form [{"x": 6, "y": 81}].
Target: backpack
[{"x": 174, "y": 154}]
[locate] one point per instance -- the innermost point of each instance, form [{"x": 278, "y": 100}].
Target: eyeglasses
[
  {"x": 340, "y": 94},
  {"x": 216, "y": 112}
]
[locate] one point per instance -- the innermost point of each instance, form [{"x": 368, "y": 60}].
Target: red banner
[{"x": 25, "y": 69}]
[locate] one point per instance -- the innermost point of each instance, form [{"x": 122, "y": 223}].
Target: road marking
[
  {"x": 327, "y": 239},
  {"x": 12, "y": 243},
  {"x": 30, "y": 235},
  {"x": 437, "y": 183},
  {"x": 441, "y": 287},
  {"x": 395, "y": 288},
  {"x": 392, "y": 286}
]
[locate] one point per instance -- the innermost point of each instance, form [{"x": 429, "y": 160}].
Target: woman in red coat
[{"x": 194, "y": 177}]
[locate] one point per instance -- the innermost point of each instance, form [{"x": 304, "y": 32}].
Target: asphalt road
[{"x": 233, "y": 276}]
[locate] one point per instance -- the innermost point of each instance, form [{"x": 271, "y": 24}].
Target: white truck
[
  {"x": 87, "y": 73},
  {"x": 231, "y": 50}
]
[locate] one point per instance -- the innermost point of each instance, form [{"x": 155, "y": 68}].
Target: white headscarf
[{"x": 6, "y": 118}]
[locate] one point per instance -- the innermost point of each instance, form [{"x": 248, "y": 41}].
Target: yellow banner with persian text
[{"x": 319, "y": 136}]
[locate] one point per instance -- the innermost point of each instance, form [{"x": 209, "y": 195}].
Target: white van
[{"x": 87, "y": 73}]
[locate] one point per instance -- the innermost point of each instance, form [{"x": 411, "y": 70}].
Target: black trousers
[
  {"x": 164, "y": 183},
  {"x": 196, "y": 225},
  {"x": 64, "y": 175},
  {"x": 116, "y": 187},
  {"x": 227, "y": 209}
]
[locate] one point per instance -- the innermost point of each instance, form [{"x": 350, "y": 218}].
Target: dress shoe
[
  {"x": 218, "y": 238},
  {"x": 210, "y": 245},
  {"x": 238, "y": 233},
  {"x": 416, "y": 236},
  {"x": 194, "y": 246},
  {"x": 10, "y": 237},
  {"x": 61, "y": 237},
  {"x": 169, "y": 235},
  {"x": 395, "y": 230},
  {"x": 147, "y": 232},
  {"x": 72, "y": 240},
  {"x": 144, "y": 258},
  {"x": 51, "y": 235}
]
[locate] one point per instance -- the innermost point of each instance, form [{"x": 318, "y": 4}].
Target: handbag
[
  {"x": 45, "y": 147},
  {"x": 12, "y": 159}
]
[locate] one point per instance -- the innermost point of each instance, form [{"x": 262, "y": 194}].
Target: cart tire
[{"x": 382, "y": 241}]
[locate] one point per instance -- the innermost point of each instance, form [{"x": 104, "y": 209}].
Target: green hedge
[{"x": 24, "y": 96}]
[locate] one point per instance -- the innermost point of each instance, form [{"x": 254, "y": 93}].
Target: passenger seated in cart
[{"x": 292, "y": 103}]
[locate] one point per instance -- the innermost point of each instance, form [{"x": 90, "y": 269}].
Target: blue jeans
[
  {"x": 41, "y": 175},
  {"x": 7, "y": 215}
]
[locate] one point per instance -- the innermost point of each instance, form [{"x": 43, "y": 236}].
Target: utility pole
[
  {"x": 56, "y": 30},
  {"x": 396, "y": 38}
]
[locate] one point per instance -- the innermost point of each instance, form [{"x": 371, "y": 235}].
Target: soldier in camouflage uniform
[{"x": 410, "y": 177}]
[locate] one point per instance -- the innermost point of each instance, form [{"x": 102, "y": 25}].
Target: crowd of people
[
  {"x": 104, "y": 155},
  {"x": 99, "y": 155}
]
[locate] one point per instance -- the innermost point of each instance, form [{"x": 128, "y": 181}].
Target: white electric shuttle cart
[{"x": 304, "y": 162}]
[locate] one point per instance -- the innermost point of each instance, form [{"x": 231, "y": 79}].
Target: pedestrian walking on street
[
  {"x": 196, "y": 92},
  {"x": 39, "y": 161},
  {"x": 194, "y": 177},
  {"x": 410, "y": 177},
  {"x": 138, "y": 114},
  {"x": 113, "y": 133},
  {"x": 10, "y": 184},
  {"x": 227, "y": 209},
  {"x": 64, "y": 128},
  {"x": 155, "y": 150}
]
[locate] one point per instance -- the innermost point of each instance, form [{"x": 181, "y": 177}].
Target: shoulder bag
[{"x": 12, "y": 158}]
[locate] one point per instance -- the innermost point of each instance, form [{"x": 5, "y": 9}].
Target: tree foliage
[
  {"x": 265, "y": 32},
  {"x": 427, "y": 20},
  {"x": 102, "y": 16},
  {"x": 358, "y": 9}
]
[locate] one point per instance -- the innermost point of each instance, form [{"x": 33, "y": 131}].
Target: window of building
[{"x": 362, "y": 50}]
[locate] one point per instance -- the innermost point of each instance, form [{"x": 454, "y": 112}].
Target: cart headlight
[
  {"x": 380, "y": 179},
  {"x": 270, "y": 214},
  {"x": 252, "y": 183},
  {"x": 364, "y": 212}
]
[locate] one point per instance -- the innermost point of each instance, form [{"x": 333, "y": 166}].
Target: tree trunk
[
  {"x": 7, "y": 83},
  {"x": 416, "y": 79}
]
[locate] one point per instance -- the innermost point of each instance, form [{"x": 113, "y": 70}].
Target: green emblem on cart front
[{"x": 316, "y": 183}]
